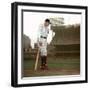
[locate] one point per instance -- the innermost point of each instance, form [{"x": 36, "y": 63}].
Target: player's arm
[{"x": 39, "y": 36}]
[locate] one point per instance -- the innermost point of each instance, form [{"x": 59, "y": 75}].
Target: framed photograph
[{"x": 49, "y": 44}]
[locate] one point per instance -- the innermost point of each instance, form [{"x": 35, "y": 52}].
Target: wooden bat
[{"x": 37, "y": 58}]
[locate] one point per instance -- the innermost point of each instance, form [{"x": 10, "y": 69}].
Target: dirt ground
[{"x": 62, "y": 65}]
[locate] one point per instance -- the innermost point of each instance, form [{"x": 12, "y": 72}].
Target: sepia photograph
[{"x": 51, "y": 44}]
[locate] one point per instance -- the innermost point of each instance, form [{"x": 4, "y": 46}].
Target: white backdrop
[{"x": 5, "y": 46}]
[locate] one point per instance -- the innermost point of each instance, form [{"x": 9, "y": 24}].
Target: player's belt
[{"x": 43, "y": 37}]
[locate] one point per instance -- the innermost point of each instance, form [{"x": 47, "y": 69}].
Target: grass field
[{"x": 66, "y": 64}]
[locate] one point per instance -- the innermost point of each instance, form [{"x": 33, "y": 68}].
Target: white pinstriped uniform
[{"x": 42, "y": 37}]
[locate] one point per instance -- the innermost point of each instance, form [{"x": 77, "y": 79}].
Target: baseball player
[{"x": 42, "y": 43}]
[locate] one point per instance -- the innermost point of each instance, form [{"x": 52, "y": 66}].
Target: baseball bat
[{"x": 37, "y": 58}]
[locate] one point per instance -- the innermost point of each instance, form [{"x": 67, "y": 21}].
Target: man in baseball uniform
[{"x": 42, "y": 43}]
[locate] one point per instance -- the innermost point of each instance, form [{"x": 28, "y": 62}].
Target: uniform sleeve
[
  {"x": 51, "y": 35},
  {"x": 39, "y": 33},
  {"x": 49, "y": 28}
]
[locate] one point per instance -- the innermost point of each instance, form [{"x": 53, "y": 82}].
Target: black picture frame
[{"x": 14, "y": 42}]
